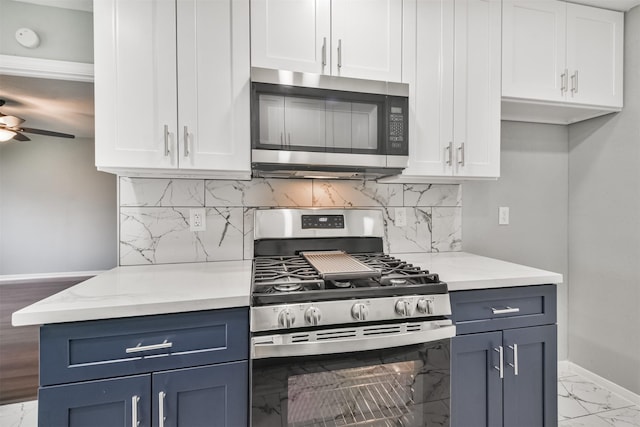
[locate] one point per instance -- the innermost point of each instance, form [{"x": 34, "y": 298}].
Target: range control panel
[{"x": 322, "y": 221}]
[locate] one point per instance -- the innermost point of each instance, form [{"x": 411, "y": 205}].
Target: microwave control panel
[{"x": 397, "y": 126}]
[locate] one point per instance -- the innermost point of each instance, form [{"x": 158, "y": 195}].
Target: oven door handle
[{"x": 288, "y": 345}]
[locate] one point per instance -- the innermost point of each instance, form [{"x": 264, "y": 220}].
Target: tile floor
[{"x": 580, "y": 404}]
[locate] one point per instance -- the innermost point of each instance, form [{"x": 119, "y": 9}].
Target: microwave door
[{"x": 304, "y": 123}]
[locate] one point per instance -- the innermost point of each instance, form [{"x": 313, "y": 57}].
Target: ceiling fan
[{"x": 10, "y": 128}]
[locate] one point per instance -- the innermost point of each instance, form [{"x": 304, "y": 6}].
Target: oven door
[{"x": 404, "y": 385}]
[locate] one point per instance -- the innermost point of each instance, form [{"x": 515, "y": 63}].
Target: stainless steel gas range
[{"x": 343, "y": 334}]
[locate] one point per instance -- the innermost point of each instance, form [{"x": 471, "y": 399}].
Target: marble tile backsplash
[{"x": 154, "y": 215}]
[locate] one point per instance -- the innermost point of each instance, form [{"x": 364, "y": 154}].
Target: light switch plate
[{"x": 503, "y": 215}]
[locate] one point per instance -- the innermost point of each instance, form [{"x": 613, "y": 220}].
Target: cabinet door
[
  {"x": 533, "y": 50},
  {"x": 135, "y": 83},
  {"x": 594, "y": 55},
  {"x": 476, "y": 387},
  {"x": 213, "y": 85},
  {"x": 106, "y": 403},
  {"x": 428, "y": 68},
  {"x": 215, "y": 395},
  {"x": 366, "y": 39},
  {"x": 291, "y": 35},
  {"x": 476, "y": 132},
  {"x": 530, "y": 396}
]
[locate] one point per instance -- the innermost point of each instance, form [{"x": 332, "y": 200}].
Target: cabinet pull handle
[
  {"x": 185, "y": 138},
  {"x": 563, "y": 81},
  {"x": 161, "y": 416},
  {"x": 339, "y": 53},
  {"x": 574, "y": 82},
  {"x": 449, "y": 149},
  {"x": 461, "y": 151},
  {"x": 166, "y": 140},
  {"x": 139, "y": 348},
  {"x": 505, "y": 310},
  {"x": 514, "y": 365},
  {"x": 134, "y": 411},
  {"x": 500, "y": 368},
  {"x": 324, "y": 52}
]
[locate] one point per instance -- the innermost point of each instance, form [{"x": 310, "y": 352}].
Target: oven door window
[{"x": 404, "y": 386}]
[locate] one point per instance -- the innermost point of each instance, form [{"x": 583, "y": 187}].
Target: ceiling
[
  {"x": 622, "y": 5},
  {"x": 56, "y": 105}
]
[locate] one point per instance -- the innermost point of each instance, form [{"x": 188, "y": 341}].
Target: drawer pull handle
[
  {"x": 506, "y": 310},
  {"x": 139, "y": 348}
]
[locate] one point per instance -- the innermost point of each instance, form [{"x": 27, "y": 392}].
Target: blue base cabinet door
[
  {"x": 530, "y": 385},
  {"x": 214, "y": 396},
  {"x": 476, "y": 387},
  {"x": 117, "y": 402}
]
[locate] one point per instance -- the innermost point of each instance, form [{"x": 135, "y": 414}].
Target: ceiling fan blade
[
  {"x": 45, "y": 132},
  {"x": 11, "y": 121},
  {"x": 20, "y": 137}
]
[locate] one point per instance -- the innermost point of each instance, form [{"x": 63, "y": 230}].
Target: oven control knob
[
  {"x": 425, "y": 305},
  {"x": 313, "y": 316},
  {"x": 360, "y": 311},
  {"x": 404, "y": 308},
  {"x": 286, "y": 318}
]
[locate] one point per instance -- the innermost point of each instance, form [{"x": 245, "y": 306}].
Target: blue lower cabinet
[
  {"x": 503, "y": 374},
  {"x": 530, "y": 394},
  {"x": 476, "y": 387},
  {"x": 213, "y": 396},
  {"x": 104, "y": 403}
]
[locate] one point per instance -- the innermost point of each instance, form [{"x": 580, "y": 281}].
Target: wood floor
[{"x": 19, "y": 345}]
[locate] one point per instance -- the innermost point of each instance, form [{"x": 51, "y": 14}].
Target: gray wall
[
  {"x": 604, "y": 232},
  {"x": 64, "y": 34},
  {"x": 57, "y": 213},
  {"x": 534, "y": 185}
]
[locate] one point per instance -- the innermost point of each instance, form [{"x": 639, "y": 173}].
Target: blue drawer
[
  {"x": 97, "y": 349},
  {"x": 486, "y": 310}
]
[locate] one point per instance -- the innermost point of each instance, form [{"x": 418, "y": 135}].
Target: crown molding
[{"x": 45, "y": 68}]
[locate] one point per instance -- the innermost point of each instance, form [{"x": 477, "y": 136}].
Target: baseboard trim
[{"x": 567, "y": 366}]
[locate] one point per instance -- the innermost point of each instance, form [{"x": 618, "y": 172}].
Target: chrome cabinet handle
[
  {"x": 449, "y": 149},
  {"x": 134, "y": 411},
  {"x": 514, "y": 365},
  {"x": 574, "y": 82},
  {"x": 500, "y": 368},
  {"x": 339, "y": 53},
  {"x": 324, "y": 52},
  {"x": 505, "y": 310},
  {"x": 166, "y": 140},
  {"x": 461, "y": 151},
  {"x": 563, "y": 81},
  {"x": 139, "y": 348},
  {"x": 185, "y": 137},
  {"x": 161, "y": 416}
]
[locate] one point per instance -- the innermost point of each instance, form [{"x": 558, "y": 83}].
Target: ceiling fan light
[{"x": 6, "y": 135}]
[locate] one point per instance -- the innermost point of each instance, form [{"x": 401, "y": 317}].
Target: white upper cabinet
[
  {"x": 452, "y": 64},
  {"x": 172, "y": 87},
  {"x": 351, "y": 38},
  {"x": 562, "y": 62}
]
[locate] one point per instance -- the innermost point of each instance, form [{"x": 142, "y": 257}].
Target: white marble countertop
[
  {"x": 173, "y": 288},
  {"x": 463, "y": 271},
  {"x": 145, "y": 290}
]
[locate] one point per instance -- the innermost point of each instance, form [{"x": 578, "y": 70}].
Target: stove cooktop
[{"x": 289, "y": 279}]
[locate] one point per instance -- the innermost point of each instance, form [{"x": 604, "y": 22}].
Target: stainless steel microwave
[{"x": 311, "y": 125}]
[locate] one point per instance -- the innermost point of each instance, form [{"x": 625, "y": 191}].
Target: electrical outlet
[
  {"x": 197, "y": 219},
  {"x": 401, "y": 217},
  {"x": 503, "y": 215}
]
